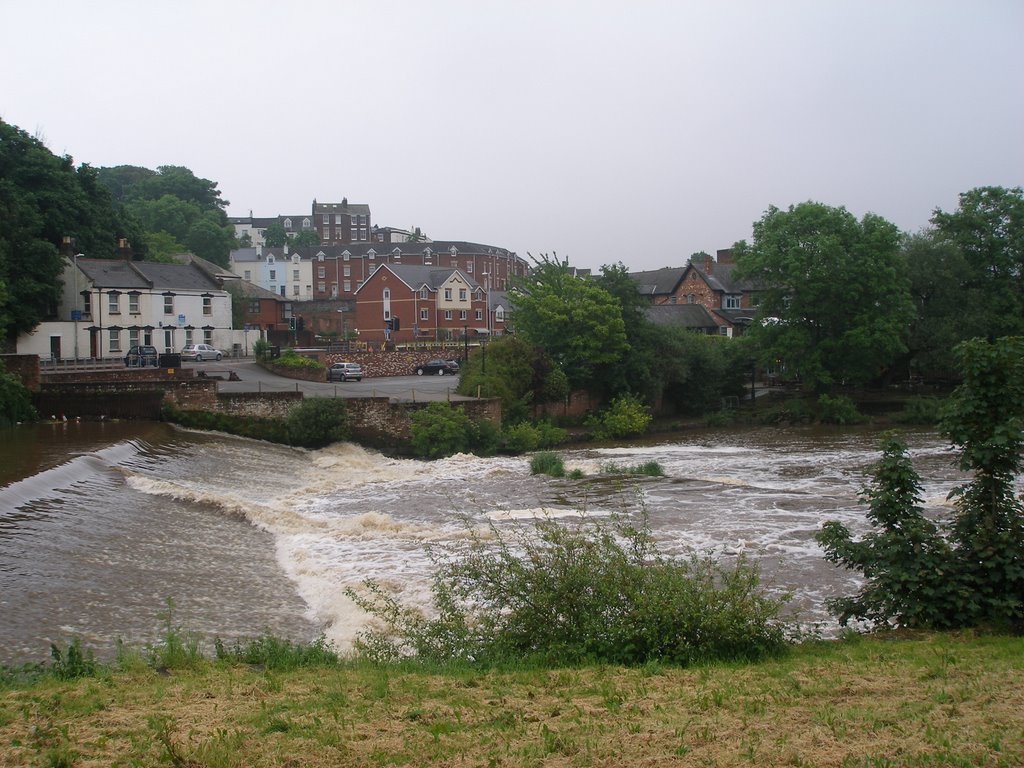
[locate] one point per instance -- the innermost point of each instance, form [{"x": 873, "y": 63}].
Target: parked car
[
  {"x": 440, "y": 367},
  {"x": 200, "y": 352},
  {"x": 345, "y": 372},
  {"x": 140, "y": 355}
]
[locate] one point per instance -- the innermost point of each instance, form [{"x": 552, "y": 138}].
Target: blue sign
[
  {"x": 181, "y": 319},
  {"x": 76, "y": 315}
]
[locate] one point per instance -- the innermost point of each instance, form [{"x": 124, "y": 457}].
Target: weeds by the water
[{"x": 648, "y": 468}]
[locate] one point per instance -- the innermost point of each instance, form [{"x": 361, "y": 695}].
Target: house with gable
[{"x": 403, "y": 302}]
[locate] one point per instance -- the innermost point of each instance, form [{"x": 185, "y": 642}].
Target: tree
[
  {"x": 988, "y": 228},
  {"x": 307, "y": 238},
  {"x": 578, "y": 323},
  {"x": 968, "y": 571},
  {"x": 275, "y": 235},
  {"x": 835, "y": 301},
  {"x": 210, "y": 240},
  {"x": 162, "y": 247},
  {"x": 634, "y": 372}
]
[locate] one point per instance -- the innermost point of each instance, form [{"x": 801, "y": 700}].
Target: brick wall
[{"x": 376, "y": 422}]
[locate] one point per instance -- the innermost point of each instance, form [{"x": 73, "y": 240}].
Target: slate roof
[
  {"x": 720, "y": 278},
  {"x": 352, "y": 209},
  {"x": 694, "y": 316},
  {"x": 248, "y": 290},
  {"x": 146, "y": 275},
  {"x": 659, "y": 281}
]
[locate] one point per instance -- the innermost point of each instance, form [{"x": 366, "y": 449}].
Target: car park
[
  {"x": 440, "y": 367},
  {"x": 142, "y": 355},
  {"x": 200, "y": 352},
  {"x": 345, "y": 372}
]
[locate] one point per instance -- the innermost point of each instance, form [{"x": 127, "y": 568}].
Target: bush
[
  {"x": 920, "y": 410},
  {"x": 440, "y": 430},
  {"x": 261, "y": 349},
  {"x": 291, "y": 359},
  {"x": 276, "y": 653},
  {"x": 648, "y": 468},
  {"x": 317, "y": 422},
  {"x": 15, "y": 401},
  {"x": 568, "y": 594},
  {"x": 547, "y": 463},
  {"x": 521, "y": 438},
  {"x": 624, "y": 417},
  {"x": 550, "y": 435},
  {"x": 838, "y": 410}
]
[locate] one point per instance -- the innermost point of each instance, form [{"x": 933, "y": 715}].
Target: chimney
[
  {"x": 709, "y": 264},
  {"x": 724, "y": 256},
  {"x": 344, "y": 202}
]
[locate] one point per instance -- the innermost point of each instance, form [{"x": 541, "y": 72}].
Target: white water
[{"x": 214, "y": 521}]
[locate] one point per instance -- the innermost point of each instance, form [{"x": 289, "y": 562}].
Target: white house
[{"x": 109, "y": 305}]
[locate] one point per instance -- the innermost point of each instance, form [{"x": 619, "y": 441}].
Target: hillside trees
[
  {"x": 44, "y": 198},
  {"x": 577, "y": 322},
  {"x": 172, "y": 202},
  {"x": 835, "y": 304}
]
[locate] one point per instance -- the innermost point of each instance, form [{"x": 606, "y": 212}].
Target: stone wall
[
  {"x": 376, "y": 422},
  {"x": 388, "y": 363},
  {"x": 258, "y": 405},
  {"x": 25, "y": 368}
]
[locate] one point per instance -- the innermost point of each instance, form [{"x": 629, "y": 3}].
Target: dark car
[
  {"x": 345, "y": 372},
  {"x": 440, "y": 367},
  {"x": 140, "y": 355}
]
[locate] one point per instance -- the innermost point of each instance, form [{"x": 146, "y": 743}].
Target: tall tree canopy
[
  {"x": 44, "y": 198},
  {"x": 578, "y": 323},
  {"x": 172, "y": 201},
  {"x": 835, "y": 304},
  {"x": 988, "y": 228}
]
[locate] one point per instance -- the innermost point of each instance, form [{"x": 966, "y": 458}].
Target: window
[
  {"x": 115, "y": 341},
  {"x": 479, "y": 314},
  {"x": 254, "y": 306},
  {"x": 295, "y": 275},
  {"x": 273, "y": 274},
  {"x": 424, "y": 314},
  {"x": 462, "y": 294},
  {"x": 327, "y": 218},
  {"x": 321, "y": 272},
  {"x": 309, "y": 289},
  {"x": 337, "y": 218},
  {"x": 347, "y": 286},
  {"x": 354, "y": 232},
  {"x": 462, "y": 314},
  {"x": 371, "y": 254},
  {"x": 208, "y": 336},
  {"x": 320, "y": 256},
  {"x": 133, "y": 305},
  {"x": 295, "y": 290},
  {"x": 724, "y": 330},
  {"x": 447, "y": 294},
  {"x": 334, "y": 290},
  {"x": 347, "y": 271},
  {"x": 248, "y": 275},
  {"x": 346, "y": 256},
  {"x": 362, "y": 233},
  {"x": 168, "y": 303},
  {"x": 690, "y": 298},
  {"x": 87, "y": 304},
  {"x": 499, "y": 315},
  {"x": 731, "y": 301},
  {"x": 469, "y": 267},
  {"x": 321, "y": 286},
  {"x": 189, "y": 337},
  {"x": 114, "y": 303},
  {"x": 207, "y": 305},
  {"x": 447, "y": 314},
  {"x": 424, "y": 294},
  {"x": 133, "y": 338}
]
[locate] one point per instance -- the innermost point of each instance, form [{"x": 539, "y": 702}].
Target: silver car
[
  {"x": 345, "y": 372},
  {"x": 200, "y": 352}
]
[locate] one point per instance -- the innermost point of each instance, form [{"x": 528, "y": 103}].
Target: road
[{"x": 254, "y": 378}]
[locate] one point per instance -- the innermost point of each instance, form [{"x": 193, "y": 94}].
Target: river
[{"x": 101, "y": 523}]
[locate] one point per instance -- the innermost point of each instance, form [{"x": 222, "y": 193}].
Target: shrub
[
  {"x": 261, "y": 349},
  {"x": 291, "y": 359},
  {"x": 521, "y": 438},
  {"x": 484, "y": 437},
  {"x": 15, "y": 400},
  {"x": 278, "y": 654},
  {"x": 624, "y": 417},
  {"x": 440, "y": 430},
  {"x": 838, "y": 410},
  {"x": 317, "y": 422},
  {"x": 547, "y": 463},
  {"x": 648, "y": 468},
  {"x": 587, "y": 592},
  {"x": 920, "y": 410},
  {"x": 550, "y": 435}
]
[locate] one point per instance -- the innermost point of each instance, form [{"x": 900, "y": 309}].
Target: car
[
  {"x": 140, "y": 355},
  {"x": 440, "y": 367},
  {"x": 345, "y": 372},
  {"x": 200, "y": 352}
]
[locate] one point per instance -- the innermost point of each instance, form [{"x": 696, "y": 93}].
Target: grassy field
[{"x": 925, "y": 700}]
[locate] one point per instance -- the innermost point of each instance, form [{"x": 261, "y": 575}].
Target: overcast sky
[{"x": 638, "y": 132}]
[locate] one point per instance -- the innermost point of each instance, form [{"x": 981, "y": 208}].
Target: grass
[{"x": 915, "y": 700}]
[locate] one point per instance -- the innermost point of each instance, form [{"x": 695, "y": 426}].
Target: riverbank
[{"x": 911, "y": 700}]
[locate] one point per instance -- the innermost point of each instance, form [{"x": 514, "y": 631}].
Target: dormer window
[
  {"x": 345, "y": 255},
  {"x": 295, "y": 258},
  {"x": 371, "y": 254},
  {"x": 320, "y": 256},
  {"x": 305, "y": 223},
  {"x": 287, "y": 223}
]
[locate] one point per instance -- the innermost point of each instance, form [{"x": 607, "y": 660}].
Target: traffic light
[{"x": 291, "y": 323}]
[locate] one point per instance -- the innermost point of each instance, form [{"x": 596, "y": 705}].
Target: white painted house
[{"x": 109, "y": 305}]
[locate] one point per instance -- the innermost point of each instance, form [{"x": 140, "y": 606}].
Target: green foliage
[
  {"x": 516, "y": 373},
  {"x": 177, "y": 648},
  {"x": 440, "y": 430},
  {"x": 271, "y": 430},
  {"x": 578, "y": 323},
  {"x": 547, "y": 463},
  {"x": 525, "y": 437},
  {"x": 307, "y": 238},
  {"x": 72, "y": 663},
  {"x": 289, "y": 358},
  {"x": 696, "y": 371},
  {"x": 275, "y": 235},
  {"x": 906, "y": 560},
  {"x": 566, "y": 594},
  {"x": 920, "y": 410},
  {"x": 838, "y": 410},
  {"x": 970, "y": 572},
  {"x": 988, "y": 230},
  {"x": 648, "y": 468},
  {"x": 625, "y": 416},
  {"x": 261, "y": 349},
  {"x": 15, "y": 400},
  {"x": 792, "y": 411},
  {"x": 278, "y": 654},
  {"x": 636, "y": 370},
  {"x": 835, "y": 303},
  {"x": 317, "y": 421}
]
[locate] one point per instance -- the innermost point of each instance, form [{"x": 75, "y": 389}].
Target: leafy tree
[
  {"x": 275, "y": 235},
  {"x": 625, "y": 416},
  {"x": 835, "y": 304},
  {"x": 245, "y": 240},
  {"x": 162, "y": 247},
  {"x": 308, "y": 238},
  {"x": 210, "y": 240},
  {"x": 317, "y": 422},
  {"x": 440, "y": 430},
  {"x": 578, "y": 323},
  {"x": 988, "y": 228},
  {"x": 519, "y": 374},
  {"x": 15, "y": 400},
  {"x": 942, "y": 319},
  {"x": 181, "y": 183},
  {"x": 635, "y": 371},
  {"x": 967, "y": 572},
  {"x": 696, "y": 371}
]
